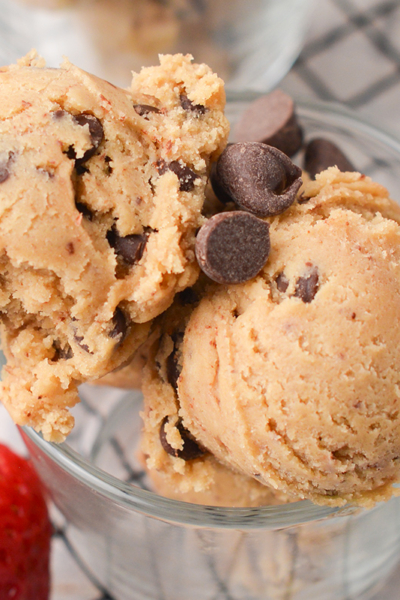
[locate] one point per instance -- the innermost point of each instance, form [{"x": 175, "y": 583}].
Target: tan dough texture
[
  {"x": 303, "y": 394},
  {"x": 203, "y": 480},
  {"x": 72, "y": 308}
]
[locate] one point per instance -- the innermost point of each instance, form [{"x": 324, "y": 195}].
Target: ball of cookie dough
[
  {"x": 178, "y": 467},
  {"x": 101, "y": 192},
  {"x": 292, "y": 378}
]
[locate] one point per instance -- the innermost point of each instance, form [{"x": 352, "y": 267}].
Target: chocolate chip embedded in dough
[
  {"x": 185, "y": 175},
  {"x": 258, "y": 178},
  {"x": 232, "y": 247},
  {"x": 321, "y": 154},
  {"x": 187, "y": 104},
  {"x": 172, "y": 365},
  {"x": 96, "y": 130},
  {"x": 190, "y": 450},
  {"x": 4, "y": 170},
  {"x": 5, "y": 161},
  {"x": 62, "y": 352},
  {"x": 282, "y": 283},
  {"x": 307, "y": 286},
  {"x": 119, "y": 325},
  {"x": 129, "y": 248},
  {"x": 144, "y": 109},
  {"x": 272, "y": 120},
  {"x": 79, "y": 340}
]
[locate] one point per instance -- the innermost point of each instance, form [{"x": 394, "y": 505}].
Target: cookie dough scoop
[
  {"x": 101, "y": 193},
  {"x": 292, "y": 377}
]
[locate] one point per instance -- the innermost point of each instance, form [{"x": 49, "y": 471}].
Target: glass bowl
[
  {"x": 250, "y": 44},
  {"x": 138, "y": 545}
]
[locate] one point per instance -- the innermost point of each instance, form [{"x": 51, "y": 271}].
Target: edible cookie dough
[
  {"x": 178, "y": 467},
  {"x": 292, "y": 377},
  {"x": 101, "y": 192}
]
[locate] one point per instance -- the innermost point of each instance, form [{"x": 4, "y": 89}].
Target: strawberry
[{"x": 25, "y": 531}]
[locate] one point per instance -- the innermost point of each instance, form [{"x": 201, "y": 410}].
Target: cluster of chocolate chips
[{"x": 257, "y": 175}]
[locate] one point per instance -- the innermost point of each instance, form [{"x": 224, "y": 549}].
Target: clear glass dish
[
  {"x": 138, "y": 545},
  {"x": 250, "y": 44}
]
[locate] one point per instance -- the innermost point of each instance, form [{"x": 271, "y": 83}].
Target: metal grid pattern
[{"x": 352, "y": 56}]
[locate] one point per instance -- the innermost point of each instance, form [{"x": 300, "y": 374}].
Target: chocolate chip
[
  {"x": 5, "y": 162},
  {"x": 144, "y": 109},
  {"x": 321, "y": 154},
  {"x": 86, "y": 212},
  {"x": 185, "y": 175},
  {"x": 59, "y": 114},
  {"x": 187, "y": 104},
  {"x": 4, "y": 171},
  {"x": 129, "y": 248},
  {"x": 216, "y": 186},
  {"x": 62, "y": 352},
  {"x": 259, "y": 178},
  {"x": 307, "y": 287},
  {"x": 271, "y": 119},
  {"x": 282, "y": 283},
  {"x": 232, "y": 247},
  {"x": 190, "y": 450},
  {"x": 172, "y": 365},
  {"x": 119, "y": 325},
  {"x": 96, "y": 130},
  {"x": 79, "y": 340},
  {"x": 96, "y": 133}
]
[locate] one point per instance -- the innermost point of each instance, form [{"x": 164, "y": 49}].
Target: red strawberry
[{"x": 25, "y": 531}]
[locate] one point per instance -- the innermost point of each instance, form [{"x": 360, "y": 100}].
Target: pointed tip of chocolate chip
[
  {"x": 258, "y": 178},
  {"x": 232, "y": 247}
]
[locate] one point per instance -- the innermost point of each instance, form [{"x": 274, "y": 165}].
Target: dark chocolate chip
[
  {"x": 4, "y": 170},
  {"x": 86, "y": 212},
  {"x": 216, "y": 186},
  {"x": 259, "y": 178},
  {"x": 62, "y": 352},
  {"x": 187, "y": 104},
  {"x": 59, "y": 114},
  {"x": 185, "y": 175},
  {"x": 232, "y": 247},
  {"x": 282, "y": 283},
  {"x": 321, "y": 154},
  {"x": 79, "y": 340},
  {"x": 129, "y": 248},
  {"x": 271, "y": 119},
  {"x": 307, "y": 286},
  {"x": 172, "y": 364},
  {"x": 119, "y": 325},
  {"x": 161, "y": 166},
  {"x": 96, "y": 132},
  {"x": 5, "y": 163},
  {"x": 144, "y": 109},
  {"x": 190, "y": 450}
]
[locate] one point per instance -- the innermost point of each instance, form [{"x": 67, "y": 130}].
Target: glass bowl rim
[{"x": 184, "y": 513}]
